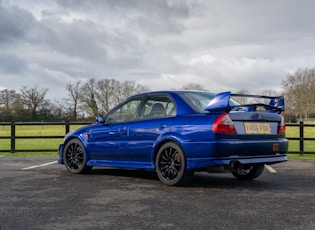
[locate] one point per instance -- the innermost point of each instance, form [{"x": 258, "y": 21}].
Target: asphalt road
[{"x": 37, "y": 193}]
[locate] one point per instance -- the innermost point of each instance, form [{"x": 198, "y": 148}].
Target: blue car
[{"x": 177, "y": 133}]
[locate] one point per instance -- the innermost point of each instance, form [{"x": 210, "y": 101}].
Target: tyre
[
  {"x": 248, "y": 172},
  {"x": 74, "y": 157},
  {"x": 171, "y": 166}
]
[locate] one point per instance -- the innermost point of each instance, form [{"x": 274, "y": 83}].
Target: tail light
[
  {"x": 224, "y": 124},
  {"x": 281, "y": 129}
]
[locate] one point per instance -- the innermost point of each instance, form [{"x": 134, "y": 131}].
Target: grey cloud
[
  {"x": 14, "y": 23},
  {"x": 152, "y": 17},
  {"x": 79, "y": 38},
  {"x": 256, "y": 21},
  {"x": 233, "y": 44},
  {"x": 156, "y": 27},
  {"x": 11, "y": 64},
  {"x": 162, "y": 8}
]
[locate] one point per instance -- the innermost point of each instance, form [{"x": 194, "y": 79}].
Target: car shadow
[
  {"x": 200, "y": 179},
  {"x": 227, "y": 181},
  {"x": 128, "y": 173}
]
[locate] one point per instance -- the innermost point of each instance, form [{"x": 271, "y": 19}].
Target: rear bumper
[
  {"x": 226, "y": 161},
  {"x": 229, "y": 151},
  {"x": 256, "y": 147}
]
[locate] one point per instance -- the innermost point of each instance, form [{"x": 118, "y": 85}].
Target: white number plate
[{"x": 257, "y": 128}]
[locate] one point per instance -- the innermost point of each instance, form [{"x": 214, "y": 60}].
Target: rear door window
[{"x": 157, "y": 107}]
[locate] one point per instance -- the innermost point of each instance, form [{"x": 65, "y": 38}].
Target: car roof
[
  {"x": 170, "y": 92},
  {"x": 183, "y": 106}
]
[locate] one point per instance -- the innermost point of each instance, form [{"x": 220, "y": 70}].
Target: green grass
[
  {"x": 34, "y": 130},
  {"x": 309, "y": 146},
  {"x": 304, "y": 156},
  {"x": 31, "y": 154},
  {"x": 59, "y": 130}
]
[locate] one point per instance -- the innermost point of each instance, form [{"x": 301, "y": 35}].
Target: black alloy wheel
[
  {"x": 170, "y": 165},
  {"x": 74, "y": 157}
]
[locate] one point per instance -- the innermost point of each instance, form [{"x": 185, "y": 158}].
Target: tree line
[
  {"x": 84, "y": 100},
  {"x": 299, "y": 93}
]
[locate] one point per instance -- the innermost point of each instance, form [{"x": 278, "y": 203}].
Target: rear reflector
[{"x": 275, "y": 147}]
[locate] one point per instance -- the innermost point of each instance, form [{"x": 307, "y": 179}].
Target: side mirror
[{"x": 100, "y": 119}]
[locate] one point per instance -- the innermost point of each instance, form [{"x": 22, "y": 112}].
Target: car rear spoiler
[{"x": 221, "y": 102}]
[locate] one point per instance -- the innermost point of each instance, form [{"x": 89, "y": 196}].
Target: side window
[
  {"x": 158, "y": 107},
  {"x": 124, "y": 113}
]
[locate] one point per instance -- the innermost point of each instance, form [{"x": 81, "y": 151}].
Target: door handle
[
  {"x": 162, "y": 127},
  {"x": 123, "y": 131}
]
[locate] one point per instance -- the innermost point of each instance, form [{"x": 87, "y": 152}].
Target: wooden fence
[
  {"x": 301, "y": 138},
  {"x": 13, "y": 137}
]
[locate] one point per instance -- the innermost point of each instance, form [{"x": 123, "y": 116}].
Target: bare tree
[
  {"x": 300, "y": 92},
  {"x": 88, "y": 97},
  {"x": 141, "y": 88},
  {"x": 127, "y": 89},
  {"x": 193, "y": 86},
  {"x": 33, "y": 98},
  {"x": 106, "y": 90},
  {"x": 73, "y": 98},
  {"x": 247, "y": 100},
  {"x": 242, "y": 100},
  {"x": 18, "y": 110},
  {"x": 7, "y": 98},
  {"x": 267, "y": 92}
]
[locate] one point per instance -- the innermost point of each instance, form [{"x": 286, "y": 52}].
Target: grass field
[
  {"x": 309, "y": 146},
  {"x": 54, "y": 130},
  {"x": 36, "y": 130}
]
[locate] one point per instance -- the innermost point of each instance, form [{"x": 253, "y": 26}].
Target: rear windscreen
[{"x": 200, "y": 100}]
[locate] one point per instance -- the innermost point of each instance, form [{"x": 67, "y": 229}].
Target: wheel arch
[
  {"x": 171, "y": 164},
  {"x": 82, "y": 140},
  {"x": 162, "y": 141},
  {"x": 75, "y": 160}
]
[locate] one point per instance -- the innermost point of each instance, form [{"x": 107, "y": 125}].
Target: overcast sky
[{"x": 163, "y": 44}]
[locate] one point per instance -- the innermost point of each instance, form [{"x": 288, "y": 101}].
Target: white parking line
[
  {"x": 42, "y": 165},
  {"x": 270, "y": 169}
]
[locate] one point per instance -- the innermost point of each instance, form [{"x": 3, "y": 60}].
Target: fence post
[
  {"x": 12, "y": 137},
  {"x": 67, "y": 127},
  {"x": 301, "y": 138}
]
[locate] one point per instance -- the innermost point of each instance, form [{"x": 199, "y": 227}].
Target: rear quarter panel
[
  {"x": 195, "y": 134},
  {"x": 199, "y": 141}
]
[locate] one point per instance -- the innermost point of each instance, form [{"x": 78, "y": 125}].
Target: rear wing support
[{"x": 222, "y": 103}]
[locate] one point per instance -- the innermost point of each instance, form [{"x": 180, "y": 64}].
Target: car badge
[{"x": 260, "y": 117}]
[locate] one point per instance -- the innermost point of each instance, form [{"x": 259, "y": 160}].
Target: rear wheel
[
  {"x": 248, "y": 172},
  {"x": 74, "y": 157},
  {"x": 171, "y": 166}
]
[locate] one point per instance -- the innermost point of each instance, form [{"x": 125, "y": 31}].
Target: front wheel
[
  {"x": 171, "y": 166},
  {"x": 74, "y": 157},
  {"x": 248, "y": 172}
]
